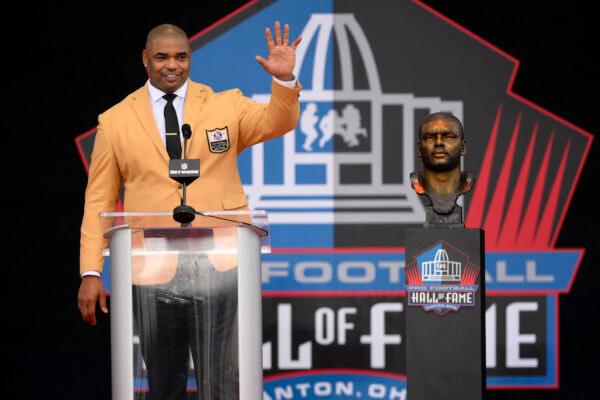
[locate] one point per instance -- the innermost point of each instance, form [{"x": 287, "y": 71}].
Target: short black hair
[{"x": 446, "y": 116}]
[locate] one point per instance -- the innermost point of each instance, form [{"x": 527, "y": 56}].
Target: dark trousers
[{"x": 196, "y": 311}]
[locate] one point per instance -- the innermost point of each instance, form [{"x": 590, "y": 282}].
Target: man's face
[
  {"x": 441, "y": 145},
  {"x": 168, "y": 62}
]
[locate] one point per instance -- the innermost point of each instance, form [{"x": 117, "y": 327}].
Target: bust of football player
[{"x": 440, "y": 146}]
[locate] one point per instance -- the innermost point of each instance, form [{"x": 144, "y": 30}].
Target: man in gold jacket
[{"x": 130, "y": 147}]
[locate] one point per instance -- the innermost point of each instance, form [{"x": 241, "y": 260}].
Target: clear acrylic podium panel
[{"x": 183, "y": 286}]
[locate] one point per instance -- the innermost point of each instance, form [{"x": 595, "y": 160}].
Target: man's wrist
[
  {"x": 289, "y": 84},
  {"x": 285, "y": 78}
]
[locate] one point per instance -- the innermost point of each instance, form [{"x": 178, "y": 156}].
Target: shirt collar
[{"x": 157, "y": 94}]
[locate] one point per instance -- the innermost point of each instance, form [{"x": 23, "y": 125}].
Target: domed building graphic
[{"x": 334, "y": 161}]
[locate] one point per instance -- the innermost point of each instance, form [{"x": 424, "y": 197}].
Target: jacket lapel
[
  {"x": 194, "y": 98},
  {"x": 141, "y": 105}
]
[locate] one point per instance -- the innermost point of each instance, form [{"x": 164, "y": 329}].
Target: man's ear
[
  {"x": 145, "y": 59},
  {"x": 463, "y": 149},
  {"x": 419, "y": 150}
]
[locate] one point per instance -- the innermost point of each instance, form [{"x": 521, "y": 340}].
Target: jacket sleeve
[
  {"x": 260, "y": 122},
  {"x": 101, "y": 194}
]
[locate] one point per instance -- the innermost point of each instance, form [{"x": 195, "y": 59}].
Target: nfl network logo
[{"x": 334, "y": 160}]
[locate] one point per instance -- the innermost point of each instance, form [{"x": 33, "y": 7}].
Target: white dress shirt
[{"x": 158, "y": 106}]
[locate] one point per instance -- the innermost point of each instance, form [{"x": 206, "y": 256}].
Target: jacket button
[{"x": 179, "y": 186}]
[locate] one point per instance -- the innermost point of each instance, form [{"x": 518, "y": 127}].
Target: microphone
[
  {"x": 185, "y": 172},
  {"x": 186, "y": 131}
]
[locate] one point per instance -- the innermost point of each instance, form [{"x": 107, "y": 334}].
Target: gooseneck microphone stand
[
  {"x": 180, "y": 171},
  {"x": 187, "y": 171}
]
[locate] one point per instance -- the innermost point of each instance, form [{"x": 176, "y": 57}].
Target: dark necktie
[{"x": 172, "y": 128}]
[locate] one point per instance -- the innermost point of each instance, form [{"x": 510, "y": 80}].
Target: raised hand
[{"x": 282, "y": 56}]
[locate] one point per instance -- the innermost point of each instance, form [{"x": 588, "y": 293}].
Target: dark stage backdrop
[{"x": 64, "y": 64}]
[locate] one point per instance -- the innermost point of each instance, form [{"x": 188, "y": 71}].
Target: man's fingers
[
  {"x": 286, "y": 34},
  {"x": 296, "y": 42},
  {"x": 262, "y": 62},
  {"x": 277, "y": 33},
  {"x": 269, "y": 37},
  {"x": 82, "y": 304},
  {"x": 88, "y": 311},
  {"x": 91, "y": 313},
  {"x": 102, "y": 302}
]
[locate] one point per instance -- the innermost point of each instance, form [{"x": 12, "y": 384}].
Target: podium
[{"x": 186, "y": 304}]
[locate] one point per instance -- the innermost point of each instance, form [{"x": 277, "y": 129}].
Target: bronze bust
[{"x": 440, "y": 146}]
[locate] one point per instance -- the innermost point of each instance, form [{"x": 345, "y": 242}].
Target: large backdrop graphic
[{"x": 518, "y": 79}]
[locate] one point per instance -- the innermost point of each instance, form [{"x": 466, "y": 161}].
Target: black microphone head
[{"x": 186, "y": 131}]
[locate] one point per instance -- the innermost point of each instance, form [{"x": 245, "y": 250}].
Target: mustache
[{"x": 440, "y": 151}]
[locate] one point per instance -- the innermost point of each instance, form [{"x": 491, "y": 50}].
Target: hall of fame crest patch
[
  {"x": 442, "y": 279},
  {"x": 218, "y": 140}
]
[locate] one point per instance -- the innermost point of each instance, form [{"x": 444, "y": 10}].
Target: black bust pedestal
[{"x": 444, "y": 307}]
